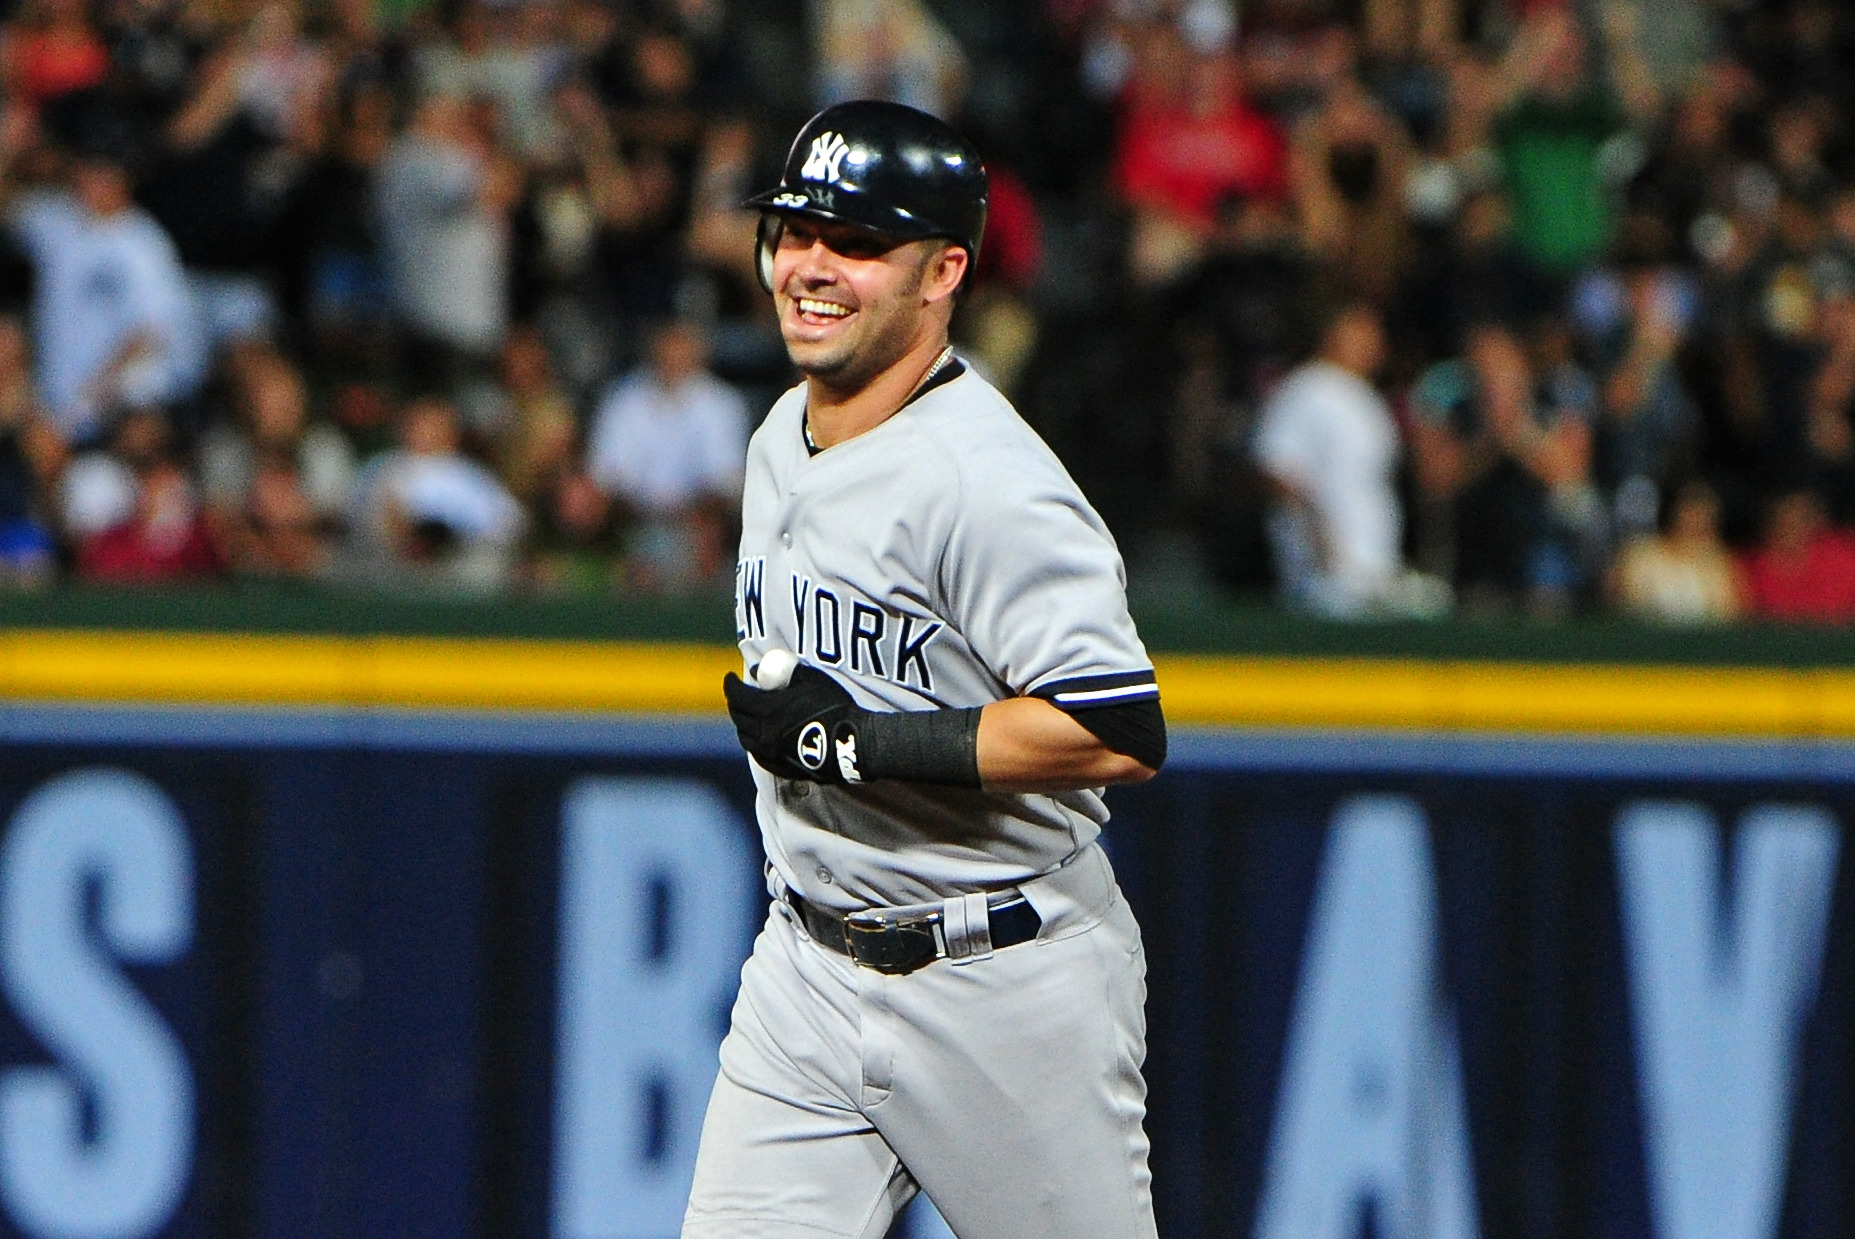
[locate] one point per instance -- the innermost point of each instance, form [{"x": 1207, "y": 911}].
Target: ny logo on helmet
[{"x": 828, "y": 151}]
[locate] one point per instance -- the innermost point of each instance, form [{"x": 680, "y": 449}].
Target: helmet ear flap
[{"x": 766, "y": 240}]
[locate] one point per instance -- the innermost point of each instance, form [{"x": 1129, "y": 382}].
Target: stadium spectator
[
  {"x": 1558, "y": 107},
  {"x": 31, "y": 457},
  {"x": 1188, "y": 139},
  {"x": 721, "y": 235},
  {"x": 52, "y": 50},
  {"x": 1683, "y": 574},
  {"x": 575, "y": 546},
  {"x": 114, "y": 321},
  {"x": 1328, "y": 443},
  {"x": 535, "y": 433},
  {"x": 426, "y": 514},
  {"x": 1829, "y": 442},
  {"x": 1557, "y": 112},
  {"x": 1350, "y": 164},
  {"x": 997, "y": 329},
  {"x": 165, "y": 538},
  {"x": 554, "y": 230},
  {"x": 886, "y": 49},
  {"x": 1686, "y": 184},
  {"x": 668, "y": 444},
  {"x": 229, "y": 164},
  {"x": 1241, "y": 319},
  {"x": 329, "y": 248},
  {"x": 1786, "y": 307},
  {"x": 98, "y": 488},
  {"x": 443, "y": 197},
  {"x": 1645, "y": 437},
  {"x": 276, "y": 476},
  {"x": 506, "y": 55},
  {"x": 1235, "y": 325},
  {"x": 1502, "y": 464},
  {"x": 1803, "y": 570},
  {"x": 640, "y": 159},
  {"x": 1472, "y": 272}
]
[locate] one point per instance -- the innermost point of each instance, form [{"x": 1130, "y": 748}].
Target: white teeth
[{"x": 829, "y": 309}]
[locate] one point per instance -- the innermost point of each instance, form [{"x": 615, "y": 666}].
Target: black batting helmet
[{"x": 881, "y": 166}]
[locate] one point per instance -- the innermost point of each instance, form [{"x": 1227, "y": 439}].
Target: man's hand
[{"x": 793, "y": 731}]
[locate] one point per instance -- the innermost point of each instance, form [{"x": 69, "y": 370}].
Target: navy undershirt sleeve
[{"x": 1135, "y": 729}]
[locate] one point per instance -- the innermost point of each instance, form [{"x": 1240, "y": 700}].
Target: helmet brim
[{"x": 841, "y": 205}]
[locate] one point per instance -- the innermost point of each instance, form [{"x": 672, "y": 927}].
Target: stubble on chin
[
  {"x": 860, "y": 362},
  {"x": 820, "y": 363},
  {"x": 844, "y": 365}
]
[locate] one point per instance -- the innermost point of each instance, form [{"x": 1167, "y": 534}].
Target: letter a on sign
[{"x": 1371, "y": 1103}]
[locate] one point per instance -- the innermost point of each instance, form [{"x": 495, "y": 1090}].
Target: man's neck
[
  {"x": 832, "y": 417},
  {"x": 103, "y": 213}
]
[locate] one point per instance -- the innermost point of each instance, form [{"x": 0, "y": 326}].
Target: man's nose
[{"x": 815, "y": 266}]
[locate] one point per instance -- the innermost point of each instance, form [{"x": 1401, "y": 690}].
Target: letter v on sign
[{"x": 1719, "y": 996}]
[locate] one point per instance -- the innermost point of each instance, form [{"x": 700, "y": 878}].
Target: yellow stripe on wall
[
  {"x": 249, "y": 669},
  {"x": 1526, "y": 697},
  {"x": 623, "y": 677}
]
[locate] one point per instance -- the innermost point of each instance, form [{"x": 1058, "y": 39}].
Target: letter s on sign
[{"x": 119, "y": 832}]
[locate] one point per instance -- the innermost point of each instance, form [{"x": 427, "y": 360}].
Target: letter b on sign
[{"x": 656, "y": 887}]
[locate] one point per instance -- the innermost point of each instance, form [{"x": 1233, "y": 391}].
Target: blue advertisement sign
[{"x": 293, "y": 975}]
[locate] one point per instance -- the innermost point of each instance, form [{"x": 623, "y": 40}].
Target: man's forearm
[{"x": 1028, "y": 745}]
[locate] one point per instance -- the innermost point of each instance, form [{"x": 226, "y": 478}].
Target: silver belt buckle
[{"x": 888, "y": 943}]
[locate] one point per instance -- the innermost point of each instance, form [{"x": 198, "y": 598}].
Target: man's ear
[{"x": 945, "y": 270}]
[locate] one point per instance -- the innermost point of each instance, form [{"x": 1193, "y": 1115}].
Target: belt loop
[
  {"x": 953, "y": 928},
  {"x": 782, "y": 902},
  {"x": 968, "y": 924}
]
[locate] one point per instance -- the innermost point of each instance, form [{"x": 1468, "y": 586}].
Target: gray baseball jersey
[{"x": 944, "y": 558}]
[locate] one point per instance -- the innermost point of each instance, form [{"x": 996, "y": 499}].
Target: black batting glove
[
  {"x": 812, "y": 729},
  {"x": 806, "y": 730}
]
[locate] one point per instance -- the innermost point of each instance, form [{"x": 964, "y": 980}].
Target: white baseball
[{"x": 776, "y": 668}]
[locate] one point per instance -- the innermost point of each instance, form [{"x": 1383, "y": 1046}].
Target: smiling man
[{"x": 948, "y": 992}]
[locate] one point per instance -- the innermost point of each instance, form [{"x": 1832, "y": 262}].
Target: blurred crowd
[
  {"x": 1534, "y": 308},
  {"x": 427, "y": 297},
  {"x": 1382, "y": 307}
]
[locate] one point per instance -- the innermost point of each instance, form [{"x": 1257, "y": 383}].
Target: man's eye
[
  {"x": 858, "y": 246},
  {"x": 862, "y": 247}
]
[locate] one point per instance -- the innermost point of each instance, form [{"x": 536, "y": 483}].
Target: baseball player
[{"x": 947, "y": 995}]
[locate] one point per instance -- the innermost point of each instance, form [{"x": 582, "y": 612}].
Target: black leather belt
[{"x": 898, "y": 943}]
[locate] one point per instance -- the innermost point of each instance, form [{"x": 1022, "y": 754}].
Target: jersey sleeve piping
[{"x": 1086, "y": 692}]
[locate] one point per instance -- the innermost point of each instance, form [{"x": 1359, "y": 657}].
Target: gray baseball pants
[{"x": 1006, "y": 1086}]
